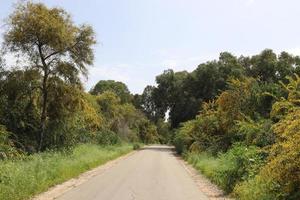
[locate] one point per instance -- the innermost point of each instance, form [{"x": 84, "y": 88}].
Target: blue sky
[{"x": 138, "y": 39}]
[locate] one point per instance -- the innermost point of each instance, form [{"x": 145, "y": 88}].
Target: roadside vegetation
[
  {"x": 50, "y": 128},
  {"x": 236, "y": 119},
  {"x": 22, "y": 178}
]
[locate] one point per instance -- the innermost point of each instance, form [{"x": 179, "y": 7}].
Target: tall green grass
[
  {"x": 227, "y": 170},
  {"x": 21, "y": 179}
]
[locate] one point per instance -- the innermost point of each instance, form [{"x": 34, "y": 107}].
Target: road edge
[
  {"x": 58, "y": 190},
  {"x": 212, "y": 191}
]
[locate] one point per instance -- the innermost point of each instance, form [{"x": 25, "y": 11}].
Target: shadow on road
[{"x": 159, "y": 148}]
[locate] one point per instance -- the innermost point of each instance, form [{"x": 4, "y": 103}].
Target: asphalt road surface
[{"x": 153, "y": 173}]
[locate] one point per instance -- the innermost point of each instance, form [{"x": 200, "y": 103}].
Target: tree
[
  {"x": 18, "y": 108},
  {"x": 285, "y": 66},
  {"x": 149, "y": 105},
  {"x": 52, "y": 44},
  {"x": 109, "y": 102},
  {"x": 264, "y": 66},
  {"x": 117, "y": 87},
  {"x": 172, "y": 94}
]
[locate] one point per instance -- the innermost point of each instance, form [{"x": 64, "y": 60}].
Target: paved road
[{"x": 150, "y": 174}]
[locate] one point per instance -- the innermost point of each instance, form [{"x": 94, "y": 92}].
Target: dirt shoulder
[{"x": 212, "y": 191}]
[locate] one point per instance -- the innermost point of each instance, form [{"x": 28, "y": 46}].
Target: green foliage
[
  {"x": 119, "y": 88},
  {"x": 200, "y": 134},
  {"x": 283, "y": 161},
  {"x": 136, "y": 146},
  {"x": 147, "y": 132},
  {"x": 43, "y": 105},
  {"x": 7, "y": 149},
  {"x": 19, "y": 110},
  {"x": 258, "y": 188},
  {"x": 21, "y": 179},
  {"x": 34, "y": 27},
  {"x": 125, "y": 120},
  {"x": 236, "y": 119},
  {"x": 107, "y": 137},
  {"x": 181, "y": 93},
  {"x": 164, "y": 132},
  {"x": 239, "y": 163},
  {"x": 57, "y": 51},
  {"x": 265, "y": 163},
  {"x": 181, "y": 140},
  {"x": 255, "y": 133},
  {"x": 230, "y": 168},
  {"x": 109, "y": 102},
  {"x": 284, "y": 105}
]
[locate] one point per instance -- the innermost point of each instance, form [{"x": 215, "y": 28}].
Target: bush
[
  {"x": 279, "y": 179},
  {"x": 107, "y": 137},
  {"x": 230, "y": 168},
  {"x": 200, "y": 134},
  {"x": 136, "y": 146},
  {"x": 255, "y": 133},
  {"x": 180, "y": 142},
  {"x": 258, "y": 188},
  {"x": 7, "y": 149},
  {"x": 238, "y": 164}
]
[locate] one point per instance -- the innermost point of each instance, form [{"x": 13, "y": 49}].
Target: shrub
[
  {"x": 136, "y": 146},
  {"x": 202, "y": 133},
  {"x": 255, "y": 133},
  {"x": 238, "y": 164},
  {"x": 228, "y": 169},
  {"x": 107, "y": 137},
  {"x": 182, "y": 141},
  {"x": 284, "y": 161},
  {"x": 7, "y": 149},
  {"x": 258, "y": 188}
]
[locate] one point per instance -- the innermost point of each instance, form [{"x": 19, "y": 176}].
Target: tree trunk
[
  {"x": 44, "y": 99},
  {"x": 44, "y": 110}
]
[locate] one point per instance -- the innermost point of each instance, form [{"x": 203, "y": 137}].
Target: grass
[
  {"x": 229, "y": 170},
  {"x": 22, "y": 179},
  {"x": 205, "y": 163}
]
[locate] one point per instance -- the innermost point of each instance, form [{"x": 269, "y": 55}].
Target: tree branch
[{"x": 61, "y": 51}]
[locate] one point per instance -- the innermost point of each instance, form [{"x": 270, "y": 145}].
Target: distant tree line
[{"x": 182, "y": 93}]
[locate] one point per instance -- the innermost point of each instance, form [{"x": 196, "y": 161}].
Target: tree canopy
[
  {"x": 182, "y": 93},
  {"x": 42, "y": 101},
  {"x": 57, "y": 51},
  {"x": 117, "y": 87},
  {"x": 236, "y": 116}
]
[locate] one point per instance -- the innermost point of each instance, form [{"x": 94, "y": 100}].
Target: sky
[{"x": 139, "y": 39}]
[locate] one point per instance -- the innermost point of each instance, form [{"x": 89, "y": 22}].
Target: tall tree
[
  {"x": 264, "y": 66},
  {"x": 117, "y": 87},
  {"x": 52, "y": 44}
]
